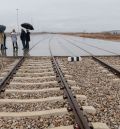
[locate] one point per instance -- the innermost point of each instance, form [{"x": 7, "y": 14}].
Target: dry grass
[{"x": 105, "y": 36}]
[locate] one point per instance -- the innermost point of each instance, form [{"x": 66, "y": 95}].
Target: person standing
[
  {"x": 27, "y": 39},
  {"x": 1, "y": 40},
  {"x": 14, "y": 39},
  {"x": 23, "y": 38}
]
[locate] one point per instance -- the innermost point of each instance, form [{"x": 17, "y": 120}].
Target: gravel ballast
[
  {"x": 34, "y": 95},
  {"x": 37, "y": 122},
  {"x": 101, "y": 90},
  {"x": 36, "y": 106}
]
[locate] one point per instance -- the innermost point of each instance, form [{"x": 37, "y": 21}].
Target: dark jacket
[
  {"x": 23, "y": 35},
  {"x": 28, "y": 36}
]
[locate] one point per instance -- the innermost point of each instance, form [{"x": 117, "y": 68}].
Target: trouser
[
  {"x": 3, "y": 52},
  {"x": 15, "y": 52},
  {"x": 27, "y": 44},
  {"x": 23, "y": 43},
  {"x": 4, "y": 44},
  {"x": 15, "y": 45},
  {"x": 2, "y": 47}
]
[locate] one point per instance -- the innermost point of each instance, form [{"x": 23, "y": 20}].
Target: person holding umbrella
[{"x": 28, "y": 27}]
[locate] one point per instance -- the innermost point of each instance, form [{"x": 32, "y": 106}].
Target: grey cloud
[{"x": 62, "y": 15}]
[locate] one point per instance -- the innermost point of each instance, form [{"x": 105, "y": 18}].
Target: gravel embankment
[
  {"x": 33, "y": 80},
  {"x": 36, "y": 122},
  {"x": 34, "y": 95},
  {"x": 101, "y": 90},
  {"x": 34, "y": 106},
  {"x": 34, "y": 74},
  {"x": 32, "y": 86}
]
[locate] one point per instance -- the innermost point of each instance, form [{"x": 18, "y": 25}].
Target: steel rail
[
  {"x": 70, "y": 42},
  {"x": 7, "y": 78},
  {"x": 40, "y": 41},
  {"x": 108, "y": 66},
  {"x": 99, "y": 48},
  {"x": 80, "y": 119},
  {"x": 66, "y": 48}
]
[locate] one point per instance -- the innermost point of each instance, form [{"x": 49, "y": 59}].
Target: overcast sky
[{"x": 62, "y": 15}]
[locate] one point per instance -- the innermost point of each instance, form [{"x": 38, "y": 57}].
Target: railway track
[
  {"x": 103, "y": 72},
  {"x": 33, "y": 99},
  {"x": 39, "y": 93}
]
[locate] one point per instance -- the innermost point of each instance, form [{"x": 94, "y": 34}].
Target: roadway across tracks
[{"x": 61, "y": 46}]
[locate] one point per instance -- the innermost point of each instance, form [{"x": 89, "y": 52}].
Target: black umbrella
[
  {"x": 2, "y": 28},
  {"x": 27, "y": 26}
]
